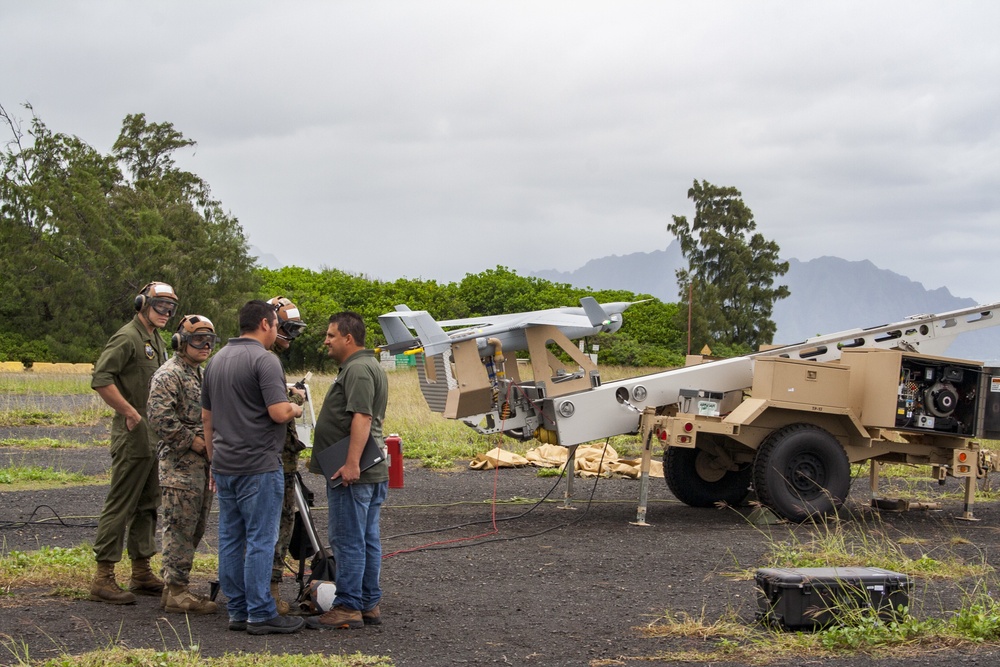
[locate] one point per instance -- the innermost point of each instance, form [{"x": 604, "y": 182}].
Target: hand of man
[
  {"x": 132, "y": 420},
  {"x": 198, "y": 445},
  {"x": 348, "y": 473}
]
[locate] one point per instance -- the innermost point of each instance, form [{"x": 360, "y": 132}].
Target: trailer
[{"x": 786, "y": 423}]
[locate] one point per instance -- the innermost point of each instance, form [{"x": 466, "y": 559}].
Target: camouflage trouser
[
  {"x": 185, "y": 514},
  {"x": 284, "y": 528}
]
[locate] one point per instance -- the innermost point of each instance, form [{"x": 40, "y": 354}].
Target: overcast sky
[{"x": 434, "y": 139}]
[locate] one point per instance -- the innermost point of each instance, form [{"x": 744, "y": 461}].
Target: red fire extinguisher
[{"x": 395, "y": 446}]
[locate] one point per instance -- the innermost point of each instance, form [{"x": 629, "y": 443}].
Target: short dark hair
[
  {"x": 350, "y": 323},
  {"x": 253, "y": 312}
]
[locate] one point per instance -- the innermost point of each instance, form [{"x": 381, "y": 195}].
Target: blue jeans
[
  {"x": 249, "y": 513},
  {"x": 354, "y": 537}
]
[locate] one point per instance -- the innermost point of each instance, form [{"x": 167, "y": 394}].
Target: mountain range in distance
[{"x": 828, "y": 294}]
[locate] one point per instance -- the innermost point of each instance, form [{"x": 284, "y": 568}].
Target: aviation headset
[
  {"x": 153, "y": 290},
  {"x": 190, "y": 325},
  {"x": 290, "y": 323}
]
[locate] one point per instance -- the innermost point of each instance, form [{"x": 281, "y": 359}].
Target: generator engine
[{"x": 937, "y": 396}]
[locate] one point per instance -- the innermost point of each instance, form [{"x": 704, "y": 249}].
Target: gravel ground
[{"x": 552, "y": 587}]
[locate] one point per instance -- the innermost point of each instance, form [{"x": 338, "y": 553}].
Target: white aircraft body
[{"x": 432, "y": 337}]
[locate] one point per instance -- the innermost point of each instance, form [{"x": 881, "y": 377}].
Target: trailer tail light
[
  {"x": 688, "y": 427},
  {"x": 962, "y": 463},
  {"x": 684, "y": 440},
  {"x": 662, "y": 435}
]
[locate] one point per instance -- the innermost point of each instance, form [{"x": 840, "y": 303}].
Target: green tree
[
  {"x": 501, "y": 290},
  {"x": 175, "y": 229},
  {"x": 731, "y": 271},
  {"x": 81, "y": 233}
]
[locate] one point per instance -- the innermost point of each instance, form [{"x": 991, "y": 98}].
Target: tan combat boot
[
  {"x": 144, "y": 582},
  {"x": 180, "y": 600},
  {"x": 282, "y": 606},
  {"x": 104, "y": 588}
]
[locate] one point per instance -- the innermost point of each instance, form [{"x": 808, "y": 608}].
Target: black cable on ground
[{"x": 55, "y": 518}]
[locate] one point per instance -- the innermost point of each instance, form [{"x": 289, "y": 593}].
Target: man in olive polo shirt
[
  {"x": 121, "y": 378},
  {"x": 354, "y": 406}
]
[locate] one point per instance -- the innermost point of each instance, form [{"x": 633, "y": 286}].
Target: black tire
[
  {"x": 684, "y": 469},
  {"x": 801, "y": 471}
]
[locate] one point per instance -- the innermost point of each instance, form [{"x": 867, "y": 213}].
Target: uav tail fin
[
  {"x": 398, "y": 337},
  {"x": 430, "y": 336},
  {"x": 596, "y": 314}
]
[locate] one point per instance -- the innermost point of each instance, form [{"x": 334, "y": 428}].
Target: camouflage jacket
[{"x": 174, "y": 412}]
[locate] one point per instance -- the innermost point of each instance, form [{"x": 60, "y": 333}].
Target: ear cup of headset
[
  {"x": 140, "y": 299},
  {"x": 175, "y": 341}
]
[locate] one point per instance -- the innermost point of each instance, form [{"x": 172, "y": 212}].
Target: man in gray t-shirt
[{"x": 245, "y": 408}]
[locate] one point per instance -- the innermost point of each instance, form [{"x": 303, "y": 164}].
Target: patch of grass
[
  {"x": 69, "y": 570},
  {"x": 193, "y": 658},
  {"x": 56, "y": 384},
  {"x": 696, "y": 627},
  {"x": 436, "y": 462},
  {"x": 50, "y": 443},
  {"x": 914, "y": 482},
  {"x": 76, "y": 417},
  {"x": 19, "y": 477},
  {"x": 857, "y": 631},
  {"x": 979, "y": 617},
  {"x": 861, "y": 543},
  {"x": 60, "y": 567}
]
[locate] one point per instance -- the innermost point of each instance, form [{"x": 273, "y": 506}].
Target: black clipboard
[{"x": 334, "y": 457}]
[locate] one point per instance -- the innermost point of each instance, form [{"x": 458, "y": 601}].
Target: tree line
[{"x": 81, "y": 232}]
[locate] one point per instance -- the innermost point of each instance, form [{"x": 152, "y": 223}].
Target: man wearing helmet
[
  {"x": 290, "y": 327},
  {"x": 174, "y": 412},
  {"x": 121, "y": 378}
]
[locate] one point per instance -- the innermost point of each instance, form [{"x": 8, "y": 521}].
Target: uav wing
[{"x": 436, "y": 337}]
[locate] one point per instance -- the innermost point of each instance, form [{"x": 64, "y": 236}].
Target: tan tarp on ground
[
  {"x": 498, "y": 458},
  {"x": 588, "y": 461}
]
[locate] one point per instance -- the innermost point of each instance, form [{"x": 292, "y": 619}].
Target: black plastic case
[{"x": 808, "y": 597}]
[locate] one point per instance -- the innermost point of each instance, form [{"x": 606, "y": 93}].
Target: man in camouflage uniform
[
  {"x": 174, "y": 412},
  {"x": 290, "y": 326},
  {"x": 121, "y": 378}
]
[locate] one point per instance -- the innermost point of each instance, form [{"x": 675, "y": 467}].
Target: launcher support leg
[
  {"x": 873, "y": 472},
  {"x": 970, "y": 496},
  {"x": 647, "y": 456},
  {"x": 570, "y": 471}
]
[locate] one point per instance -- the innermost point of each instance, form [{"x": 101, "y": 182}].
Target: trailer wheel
[
  {"x": 695, "y": 480},
  {"x": 801, "y": 471}
]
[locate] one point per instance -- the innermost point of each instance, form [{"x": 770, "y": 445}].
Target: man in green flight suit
[{"x": 121, "y": 378}]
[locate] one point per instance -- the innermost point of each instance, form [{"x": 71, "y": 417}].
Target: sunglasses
[
  {"x": 164, "y": 307},
  {"x": 202, "y": 341}
]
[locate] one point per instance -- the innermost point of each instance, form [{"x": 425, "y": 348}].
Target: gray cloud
[{"x": 437, "y": 138}]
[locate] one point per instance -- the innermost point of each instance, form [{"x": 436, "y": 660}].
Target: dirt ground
[{"x": 550, "y": 586}]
